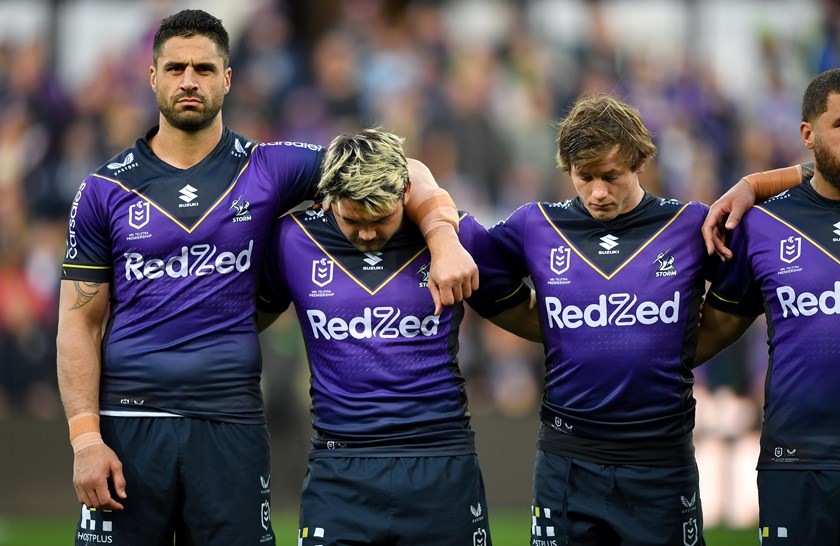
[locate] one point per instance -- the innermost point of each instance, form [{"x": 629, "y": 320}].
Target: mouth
[{"x": 189, "y": 101}]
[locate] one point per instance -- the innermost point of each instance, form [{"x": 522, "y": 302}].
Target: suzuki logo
[
  {"x": 609, "y": 242},
  {"x": 373, "y": 258},
  {"x": 188, "y": 194}
]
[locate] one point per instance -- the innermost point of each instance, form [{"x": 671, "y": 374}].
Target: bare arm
[
  {"x": 522, "y": 320},
  {"x": 264, "y": 320},
  {"x": 453, "y": 274},
  {"x": 82, "y": 308},
  {"x": 726, "y": 212},
  {"x": 718, "y": 330}
]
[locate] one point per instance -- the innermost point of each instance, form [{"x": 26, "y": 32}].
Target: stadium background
[{"x": 473, "y": 85}]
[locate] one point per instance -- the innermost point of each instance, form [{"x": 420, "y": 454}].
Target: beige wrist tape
[
  {"x": 766, "y": 184},
  {"x": 437, "y": 211},
  {"x": 84, "y": 431}
]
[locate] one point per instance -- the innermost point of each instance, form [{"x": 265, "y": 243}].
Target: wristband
[
  {"x": 84, "y": 431},
  {"x": 437, "y": 211}
]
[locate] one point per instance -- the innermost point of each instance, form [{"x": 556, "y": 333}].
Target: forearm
[
  {"x": 718, "y": 330},
  {"x": 522, "y": 320},
  {"x": 82, "y": 308},
  {"x": 769, "y": 183},
  {"x": 430, "y": 206},
  {"x": 79, "y": 369}
]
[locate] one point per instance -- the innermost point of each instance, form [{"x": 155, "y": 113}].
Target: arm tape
[
  {"x": 766, "y": 184},
  {"x": 84, "y": 431}
]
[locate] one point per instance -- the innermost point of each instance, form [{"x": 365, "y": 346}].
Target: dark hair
[
  {"x": 188, "y": 23},
  {"x": 598, "y": 124},
  {"x": 815, "y": 100}
]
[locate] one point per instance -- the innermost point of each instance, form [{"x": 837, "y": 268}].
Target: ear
[
  {"x": 153, "y": 78},
  {"x": 641, "y": 168},
  {"x": 228, "y": 74},
  {"x": 407, "y": 192},
  {"x": 807, "y": 132}
]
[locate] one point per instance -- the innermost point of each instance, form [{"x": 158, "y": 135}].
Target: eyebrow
[{"x": 204, "y": 66}]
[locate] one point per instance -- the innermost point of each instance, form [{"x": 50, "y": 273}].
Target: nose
[
  {"x": 188, "y": 79},
  {"x": 367, "y": 234},
  {"x": 599, "y": 189}
]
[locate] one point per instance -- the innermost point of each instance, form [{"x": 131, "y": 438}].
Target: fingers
[
  {"x": 722, "y": 250},
  {"x": 432, "y": 286},
  {"x": 92, "y": 467},
  {"x": 118, "y": 479},
  {"x": 708, "y": 236},
  {"x": 733, "y": 219}
]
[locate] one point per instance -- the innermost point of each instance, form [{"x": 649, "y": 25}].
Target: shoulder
[
  {"x": 284, "y": 147},
  {"x": 539, "y": 208},
  {"x": 120, "y": 165}
]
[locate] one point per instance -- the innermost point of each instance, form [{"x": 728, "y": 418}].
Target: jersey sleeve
[
  {"x": 508, "y": 240},
  {"x": 87, "y": 255},
  {"x": 499, "y": 288},
  {"x": 734, "y": 288},
  {"x": 294, "y": 166},
  {"x": 273, "y": 295}
]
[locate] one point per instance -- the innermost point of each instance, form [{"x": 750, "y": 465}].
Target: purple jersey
[
  {"x": 384, "y": 368},
  {"x": 181, "y": 250},
  {"x": 618, "y": 305},
  {"x": 787, "y": 265}
]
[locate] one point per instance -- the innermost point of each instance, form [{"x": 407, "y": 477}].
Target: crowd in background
[{"x": 474, "y": 87}]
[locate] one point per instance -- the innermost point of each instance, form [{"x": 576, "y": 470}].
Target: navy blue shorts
[
  {"x": 582, "y": 503},
  {"x": 394, "y": 501},
  {"x": 799, "y": 507},
  {"x": 205, "y": 482}
]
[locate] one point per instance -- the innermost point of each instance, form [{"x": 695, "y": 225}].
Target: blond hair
[
  {"x": 598, "y": 124},
  {"x": 368, "y": 168}
]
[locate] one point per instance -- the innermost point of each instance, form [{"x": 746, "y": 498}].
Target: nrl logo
[
  {"x": 138, "y": 214},
  {"x": 322, "y": 272},
  {"x": 559, "y": 260},
  {"x": 790, "y": 249}
]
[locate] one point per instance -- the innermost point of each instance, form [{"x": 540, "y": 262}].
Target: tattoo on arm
[{"x": 85, "y": 291}]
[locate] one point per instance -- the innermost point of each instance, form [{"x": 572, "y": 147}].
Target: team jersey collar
[
  {"x": 622, "y": 220},
  {"x": 145, "y": 150}
]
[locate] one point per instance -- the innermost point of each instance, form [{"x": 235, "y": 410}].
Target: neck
[
  {"x": 183, "y": 149},
  {"x": 825, "y": 189}
]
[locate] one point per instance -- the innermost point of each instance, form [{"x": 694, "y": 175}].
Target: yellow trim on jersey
[
  {"x": 718, "y": 296},
  {"x": 87, "y": 266},
  {"x": 166, "y": 213},
  {"x": 625, "y": 262},
  {"x": 357, "y": 281},
  {"x": 794, "y": 228},
  {"x": 512, "y": 294}
]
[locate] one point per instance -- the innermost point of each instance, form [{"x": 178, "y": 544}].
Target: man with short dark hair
[
  {"x": 786, "y": 265},
  {"x": 165, "y": 241}
]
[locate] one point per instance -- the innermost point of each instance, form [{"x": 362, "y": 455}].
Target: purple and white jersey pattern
[
  {"x": 787, "y": 265},
  {"x": 618, "y": 303},
  {"x": 181, "y": 250},
  {"x": 384, "y": 369}
]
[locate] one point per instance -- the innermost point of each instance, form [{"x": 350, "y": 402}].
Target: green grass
[{"x": 508, "y": 528}]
